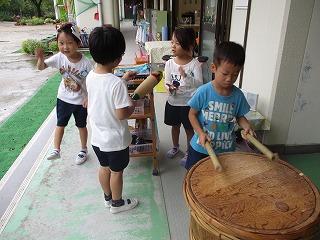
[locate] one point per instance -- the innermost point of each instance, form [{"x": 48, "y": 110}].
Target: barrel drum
[{"x": 253, "y": 198}]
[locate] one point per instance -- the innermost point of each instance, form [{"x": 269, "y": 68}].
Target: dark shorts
[
  {"x": 175, "y": 115},
  {"x": 65, "y": 110},
  {"x": 116, "y": 161},
  {"x": 194, "y": 157}
]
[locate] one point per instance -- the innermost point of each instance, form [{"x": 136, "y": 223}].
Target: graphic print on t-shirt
[
  {"x": 176, "y": 78},
  {"x": 72, "y": 78},
  {"x": 218, "y": 124}
]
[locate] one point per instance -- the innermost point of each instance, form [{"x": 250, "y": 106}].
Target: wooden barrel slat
[{"x": 253, "y": 198}]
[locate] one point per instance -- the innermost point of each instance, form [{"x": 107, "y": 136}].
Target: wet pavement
[{"x": 19, "y": 78}]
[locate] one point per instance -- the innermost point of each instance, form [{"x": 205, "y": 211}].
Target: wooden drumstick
[
  {"x": 259, "y": 146},
  {"x": 214, "y": 158},
  {"x": 147, "y": 85}
]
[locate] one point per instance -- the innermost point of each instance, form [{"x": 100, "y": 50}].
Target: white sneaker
[
  {"x": 54, "y": 155},
  {"x": 81, "y": 158},
  {"x": 128, "y": 205},
  {"x": 108, "y": 203}
]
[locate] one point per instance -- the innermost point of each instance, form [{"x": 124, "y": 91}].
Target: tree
[
  {"x": 27, "y": 8},
  {"x": 37, "y": 4},
  {"x": 4, "y": 3}
]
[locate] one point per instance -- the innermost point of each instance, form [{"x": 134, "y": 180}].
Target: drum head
[{"x": 254, "y": 196}]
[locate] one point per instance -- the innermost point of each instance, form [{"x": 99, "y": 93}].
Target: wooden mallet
[
  {"x": 213, "y": 157},
  {"x": 263, "y": 149},
  {"x": 147, "y": 85}
]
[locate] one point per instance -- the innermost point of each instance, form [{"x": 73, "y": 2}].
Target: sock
[
  {"x": 107, "y": 197},
  {"x": 117, "y": 203},
  {"x": 84, "y": 150}
]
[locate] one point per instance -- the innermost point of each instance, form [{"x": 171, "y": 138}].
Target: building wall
[
  {"x": 282, "y": 66},
  {"x": 305, "y": 117},
  {"x": 110, "y": 14}
]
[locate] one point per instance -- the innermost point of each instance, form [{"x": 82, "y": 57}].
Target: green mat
[
  {"x": 17, "y": 131},
  {"x": 308, "y": 164}
]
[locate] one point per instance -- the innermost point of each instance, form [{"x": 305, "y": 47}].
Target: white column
[
  {"x": 116, "y": 17},
  {"x": 107, "y": 12},
  {"x": 100, "y": 13},
  {"x": 56, "y": 10}
]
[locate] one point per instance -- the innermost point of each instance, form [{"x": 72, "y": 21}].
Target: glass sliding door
[
  {"x": 207, "y": 35},
  {"x": 215, "y": 18}
]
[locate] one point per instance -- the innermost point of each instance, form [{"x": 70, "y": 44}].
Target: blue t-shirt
[{"x": 217, "y": 117}]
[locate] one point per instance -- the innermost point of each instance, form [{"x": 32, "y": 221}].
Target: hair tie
[{"x": 75, "y": 31}]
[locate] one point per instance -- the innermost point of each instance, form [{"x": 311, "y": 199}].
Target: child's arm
[
  {"x": 245, "y": 125},
  {"x": 194, "y": 78},
  {"x": 85, "y": 102},
  {"x": 168, "y": 82},
  {"x": 203, "y": 137},
  {"x": 124, "y": 113},
  {"x": 129, "y": 75},
  {"x": 38, "y": 52}
]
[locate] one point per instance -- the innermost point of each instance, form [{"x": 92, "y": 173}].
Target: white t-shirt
[
  {"x": 106, "y": 93},
  {"x": 186, "y": 87},
  {"x": 72, "y": 88}
]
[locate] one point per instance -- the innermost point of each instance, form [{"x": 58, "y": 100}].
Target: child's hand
[
  {"x": 182, "y": 72},
  {"x": 38, "y": 52},
  {"x": 171, "y": 88},
  {"x": 203, "y": 138},
  {"x": 85, "y": 102},
  {"x": 245, "y": 125},
  {"x": 247, "y": 131},
  {"x": 129, "y": 75}
]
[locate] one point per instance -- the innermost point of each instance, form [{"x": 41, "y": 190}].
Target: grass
[{"x": 18, "y": 130}]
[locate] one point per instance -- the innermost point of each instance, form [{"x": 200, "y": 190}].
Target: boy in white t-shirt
[
  {"x": 109, "y": 106},
  {"x": 72, "y": 93}
]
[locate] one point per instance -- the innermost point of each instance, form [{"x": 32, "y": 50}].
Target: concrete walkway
[
  {"x": 64, "y": 201},
  {"x": 61, "y": 200}
]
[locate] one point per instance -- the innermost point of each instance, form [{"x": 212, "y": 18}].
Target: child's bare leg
[
  {"x": 116, "y": 185},
  {"x": 58, "y": 137},
  {"x": 83, "y": 137},
  {"x": 175, "y": 133},
  {"x": 58, "y": 134},
  {"x": 119, "y": 204},
  {"x": 104, "y": 179},
  {"x": 189, "y": 134},
  {"x": 82, "y": 156}
]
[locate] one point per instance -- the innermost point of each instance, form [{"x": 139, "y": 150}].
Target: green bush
[
  {"x": 37, "y": 21},
  {"x": 23, "y": 21},
  {"x": 53, "y": 46},
  {"x": 6, "y": 17},
  {"x": 32, "y": 21},
  {"x": 49, "y": 20},
  {"x": 28, "y": 46}
]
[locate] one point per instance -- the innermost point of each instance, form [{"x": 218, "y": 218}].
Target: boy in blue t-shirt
[{"x": 216, "y": 105}]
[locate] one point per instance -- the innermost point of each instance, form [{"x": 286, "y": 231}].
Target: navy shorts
[
  {"x": 116, "y": 161},
  {"x": 65, "y": 110},
  {"x": 175, "y": 115},
  {"x": 194, "y": 157}
]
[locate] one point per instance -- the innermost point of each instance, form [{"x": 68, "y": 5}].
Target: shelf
[
  {"x": 147, "y": 114},
  {"x": 141, "y": 154},
  {"x": 147, "y": 149}
]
